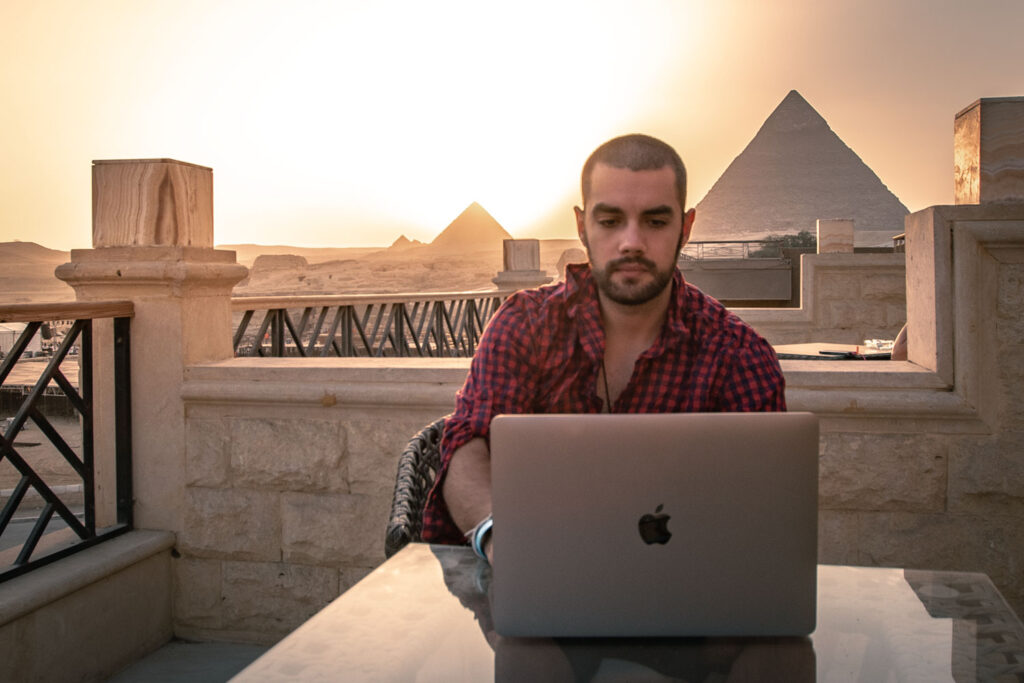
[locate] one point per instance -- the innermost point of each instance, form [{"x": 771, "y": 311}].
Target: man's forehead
[{"x": 615, "y": 187}]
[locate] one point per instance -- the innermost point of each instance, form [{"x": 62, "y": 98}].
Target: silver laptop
[{"x": 694, "y": 524}]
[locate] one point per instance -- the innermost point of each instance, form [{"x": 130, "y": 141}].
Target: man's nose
[{"x": 631, "y": 239}]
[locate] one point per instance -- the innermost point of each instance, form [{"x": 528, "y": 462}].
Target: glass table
[{"x": 423, "y": 616}]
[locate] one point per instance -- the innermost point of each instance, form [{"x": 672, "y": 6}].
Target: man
[{"x": 623, "y": 333}]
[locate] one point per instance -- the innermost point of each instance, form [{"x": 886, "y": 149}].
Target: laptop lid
[{"x": 692, "y": 524}]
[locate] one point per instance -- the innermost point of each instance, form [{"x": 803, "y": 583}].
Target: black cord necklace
[{"x": 607, "y": 394}]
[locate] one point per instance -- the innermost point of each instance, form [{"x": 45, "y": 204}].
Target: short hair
[{"x": 636, "y": 152}]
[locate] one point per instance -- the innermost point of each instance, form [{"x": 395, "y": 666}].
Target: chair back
[{"x": 417, "y": 469}]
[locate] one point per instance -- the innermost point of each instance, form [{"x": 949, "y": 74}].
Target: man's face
[{"x": 633, "y": 227}]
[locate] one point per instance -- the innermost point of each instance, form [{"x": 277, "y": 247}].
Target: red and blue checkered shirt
[{"x": 542, "y": 351}]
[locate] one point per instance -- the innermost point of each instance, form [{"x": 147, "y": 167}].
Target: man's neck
[{"x": 632, "y": 325}]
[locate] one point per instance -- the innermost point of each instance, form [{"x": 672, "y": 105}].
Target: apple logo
[{"x": 654, "y": 528}]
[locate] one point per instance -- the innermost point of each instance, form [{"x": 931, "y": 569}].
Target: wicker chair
[{"x": 417, "y": 469}]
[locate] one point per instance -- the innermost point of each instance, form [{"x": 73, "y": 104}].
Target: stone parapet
[
  {"x": 291, "y": 470},
  {"x": 844, "y": 299}
]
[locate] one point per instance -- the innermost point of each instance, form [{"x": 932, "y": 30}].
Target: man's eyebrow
[
  {"x": 601, "y": 207},
  {"x": 663, "y": 210}
]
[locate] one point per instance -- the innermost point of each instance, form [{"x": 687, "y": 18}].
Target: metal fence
[
  {"x": 41, "y": 520},
  {"x": 394, "y": 325},
  {"x": 731, "y": 250}
]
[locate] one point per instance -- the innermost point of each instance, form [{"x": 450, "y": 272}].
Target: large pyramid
[
  {"x": 472, "y": 230},
  {"x": 795, "y": 171}
]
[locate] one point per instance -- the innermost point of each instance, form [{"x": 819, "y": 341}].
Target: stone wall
[
  {"x": 845, "y": 299},
  {"x": 290, "y": 473}
]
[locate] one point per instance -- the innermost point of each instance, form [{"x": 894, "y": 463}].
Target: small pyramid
[
  {"x": 473, "y": 229},
  {"x": 795, "y": 171},
  {"x": 404, "y": 242}
]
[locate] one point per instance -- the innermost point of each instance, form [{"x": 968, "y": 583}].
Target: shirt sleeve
[
  {"x": 502, "y": 380},
  {"x": 753, "y": 380}
]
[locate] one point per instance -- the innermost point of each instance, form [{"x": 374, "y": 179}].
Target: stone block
[
  {"x": 884, "y": 286},
  {"x": 837, "y": 284},
  {"x": 334, "y": 529},
  {"x": 151, "y": 202},
  {"x": 238, "y": 524},
  {"x": 993, "y": 545},
  {"x": 276, "y": 597},
  {"x": 206, "y": 452},
  {"x": 197, "y": 593},
  {"x": 883, "y": 472},
  {"x": 1010, "y": 379},
  {"x": 986, "y": 475},
  {"x": 988, "y": 139},
  {"x": 835, "y": 236},
  {"x": 288, "y": 454},
  {"x": 838, "y": 533},
  {"x": 374, "y": 445}
]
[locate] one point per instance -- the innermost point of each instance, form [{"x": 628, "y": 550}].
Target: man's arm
[{"x": 467, "y": 486}]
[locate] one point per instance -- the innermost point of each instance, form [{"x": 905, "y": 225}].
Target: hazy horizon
[{"x": 348, "y": 124}]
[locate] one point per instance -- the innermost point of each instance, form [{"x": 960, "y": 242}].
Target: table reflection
[{"x": 424, "y": 616}]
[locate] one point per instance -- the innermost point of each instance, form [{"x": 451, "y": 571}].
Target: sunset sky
[{"x": 342, "y": 123}]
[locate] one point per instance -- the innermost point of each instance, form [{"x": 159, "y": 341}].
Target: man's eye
[
  {"x": 657, "y": 223},
  {"x": 608, "y": 222}
]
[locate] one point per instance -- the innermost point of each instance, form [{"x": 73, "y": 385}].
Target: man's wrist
[{"x": 479, "y": 535}]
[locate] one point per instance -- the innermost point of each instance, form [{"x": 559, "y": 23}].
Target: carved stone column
[
  {"x": 153, "y": 245},
  {"x": 522, "y": 266}
]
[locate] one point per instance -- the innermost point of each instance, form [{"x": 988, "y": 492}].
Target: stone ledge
[{"x": 29, "y": 592}]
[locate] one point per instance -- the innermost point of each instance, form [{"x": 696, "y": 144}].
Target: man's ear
[
  {"x": 580, "y": 224},
  {"x": 687, "y": 226}
]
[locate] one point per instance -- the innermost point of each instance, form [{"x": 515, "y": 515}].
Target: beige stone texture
[
  {"x": 883, "y": 472},
  {"x": 288, "y": 454},
  {"x": 985, "y": 475},
  {"x": 198, "y": 593},
  {"x": 375, "y": 441},
  {"x": 952, "y": 542},
  {"x": 207, "y": 444},
  {"x": 334, "y": 530},
  {"x": 835, "y": 236},
  {"x": 988, "y": 151},
  {"x": 275, "y": 598},
  {"x": 88, "y": 615},
  {"x": 232, "y": 523},
  {"x": 845, "y": 298},
  {"x": 181, "y": 316},
  {"x": 152, "y": 202},
  {"x": 838, "y": 534}
]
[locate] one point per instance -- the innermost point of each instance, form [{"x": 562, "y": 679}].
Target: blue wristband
[{"x": 480, "y": 532}]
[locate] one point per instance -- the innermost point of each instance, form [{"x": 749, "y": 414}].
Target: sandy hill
[
  {"x": 30, "y": 252},
  {"x": 26, "y": 274},
  {"x": 246, "y": 254},
  {"x": 795, "y": 171}
]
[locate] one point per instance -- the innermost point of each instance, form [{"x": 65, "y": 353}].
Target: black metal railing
[
  {"x": 40, "y": 520},
  {"x": 371, "y": 325},
  {"x": 735, "y": 249}
]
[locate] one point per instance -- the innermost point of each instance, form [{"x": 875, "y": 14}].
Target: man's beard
[{"x": 630, "y": 294}]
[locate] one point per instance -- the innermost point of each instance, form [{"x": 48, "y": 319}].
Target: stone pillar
[
  {"x": 153, "y": 245},
  {"x": 988, "y": 151},
  {"x": 835, "y": 236},
  {"x": 522, "y": 266}
]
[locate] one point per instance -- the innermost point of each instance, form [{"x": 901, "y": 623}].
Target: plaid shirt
[{"x": 542, "y": 351}]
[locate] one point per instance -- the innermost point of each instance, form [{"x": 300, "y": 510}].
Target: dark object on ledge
[
  {"x": 417, "y": 469},
  {"x": 834, "y": 355}
]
